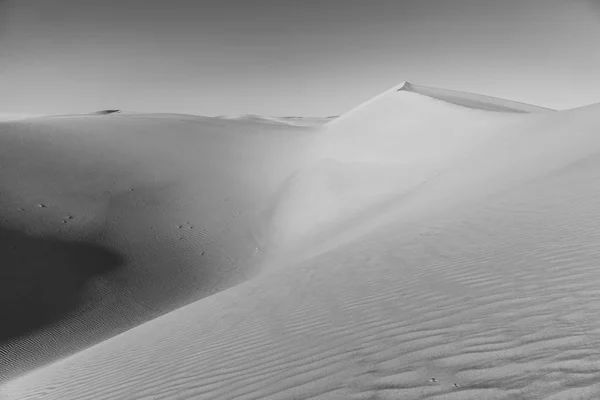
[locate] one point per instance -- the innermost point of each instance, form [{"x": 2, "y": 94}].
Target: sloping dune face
[
  {"x": 383, "y": 151},
  {"x": 109, "y": 222},
  {"x": 463, "y": 271}
]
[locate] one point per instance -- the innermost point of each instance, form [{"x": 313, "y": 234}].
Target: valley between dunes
[{"x": 428, "y": 244}]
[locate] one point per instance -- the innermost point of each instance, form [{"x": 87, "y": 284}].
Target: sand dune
[
  {"x": 383, "y": 150},
  {"x": 108, "y": 222},
  {"x": 421, "y": 246}
]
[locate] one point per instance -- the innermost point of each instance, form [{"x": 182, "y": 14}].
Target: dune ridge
[
  {"x": 472, "y": 100},
  {"x": 417, "y": 249}
]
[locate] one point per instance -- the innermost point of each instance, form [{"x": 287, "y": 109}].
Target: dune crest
[
  {"x": 472, "y": 100},
  {"x": 381, "y": 152}
]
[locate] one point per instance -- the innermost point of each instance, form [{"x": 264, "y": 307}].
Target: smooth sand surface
[{"x": 422, "y": 246}]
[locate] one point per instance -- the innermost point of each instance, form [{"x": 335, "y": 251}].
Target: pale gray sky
[{"x": 290, "y": 57}]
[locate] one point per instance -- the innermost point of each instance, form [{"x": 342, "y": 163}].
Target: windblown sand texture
[{"x": 428, "y": 244}]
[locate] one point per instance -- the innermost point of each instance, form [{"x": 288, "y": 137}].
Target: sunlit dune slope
[{"x": 384, "y": 149}]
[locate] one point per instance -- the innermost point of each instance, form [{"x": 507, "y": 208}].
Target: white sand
[{"x": 426, "y": 245}]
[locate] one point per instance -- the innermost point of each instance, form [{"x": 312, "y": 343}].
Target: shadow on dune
[{"x": 42, "y": 279}]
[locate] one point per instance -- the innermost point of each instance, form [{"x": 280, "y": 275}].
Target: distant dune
[
  {"x": 428, "y": 244},
  {"x": 298, "y": 121},
  {"x": 15, "y": 117}
]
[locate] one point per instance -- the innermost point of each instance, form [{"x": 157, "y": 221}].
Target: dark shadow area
[
  {"x": 42, "y": 279},
  {"x": 106, "y": 112}
]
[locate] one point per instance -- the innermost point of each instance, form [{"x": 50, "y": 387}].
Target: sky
[{"x": 290, "y": 57}]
